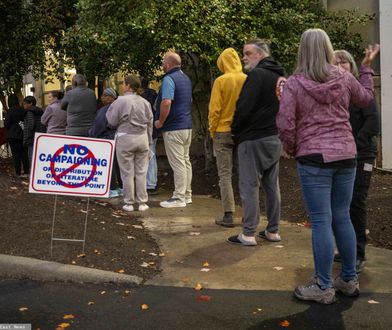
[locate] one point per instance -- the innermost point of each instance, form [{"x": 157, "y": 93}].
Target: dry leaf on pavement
[
  {"x": 82, "y": 255},
  {"x": 131, "y": 237},
  {"x": 137, "y": 226},
  {"x": 278, "y": 268},
  {"x": 194, "y": 233},
  {"x": 68, "y": 317},
  {"x": 90, "y": 303},
  {"x": 144, "y": 307},
  {"x": 63, "y": 325},
  {"x": 153, "y": 254},
  {"x": 103, "y": 292},
  {"x": 373, "y": 302},
  {"x": 203, "y": 298},
  {"x": 206, "y": 264},
  {"x": 22, "y": 309},
  {"x": 121, "y": 271},
  {"x": 204, "y": 269},
  {"x": 198, "y": 286},
  {"x": 144, "y": 264},
  {"x": 285, "y": 323},
  {"x": 162, "y": 254}
]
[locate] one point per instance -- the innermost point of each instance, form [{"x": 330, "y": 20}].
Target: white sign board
[{"x": 71, "y": 165}]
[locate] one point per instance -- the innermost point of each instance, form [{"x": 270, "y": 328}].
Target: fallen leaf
[
  {"x": 120, "y": 271},
  {"x": 91, "y": 303},
  {"x": 97, "y": 252},
  {"x": 204, "y": 269},
  {"x": 153, "y": 254},
  {"x": 82, "y": 255},
  {"x": 137, "y": 226},
  {"x": 22, "y": 309},
  {"x": 103, "y": 292},
  {"x": 144, "y": 264},
  {"x": 127, "y": 292},
  {"x": 259, "y": 309},
  {"x": 194, "y": 233},
  {"x": 285, "y": 323},
  {"x": 203, "y": 298},
  {"x": 198, "y": 287},
  {"x": 206, "y": 264},
  {"x": 73, "y": 262},
  {"x": 131, "y": 237},
  {"x": 115, "y": 215},
  {"x": 278, "y": 268},
  {"x": 120, "y": 223},
  {"x": 279, "y": 246},
  {"x": 102, "y": 222},
  {"x": 63, "y": 325},
  {"x": 151, "y": 263},
  {"x": 144, "y": 307},
  {"x": 83, "y": 211},
  {"x": 68, "y": 317},
  {"x": 162, "y": 254},
  {"x": 185, "y": 279},
  {"x": 13, "y": 188},
  {"x": 373, "y": 302},
  {"x": 102, "y": 204},
  {"x": 143, "y": 250}
]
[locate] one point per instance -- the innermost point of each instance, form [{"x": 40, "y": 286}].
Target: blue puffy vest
[{"x": 180, "y": 116}]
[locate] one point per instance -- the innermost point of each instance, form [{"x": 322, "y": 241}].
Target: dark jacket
[
  {"x": 257, "y": 105},
  {"x": 365, "y": 125},
  {"x": 32, "y": 124},
  {"x": 81, "y": 106},
  {"x": 150, "y": 95},
  {"x": 13, "y": 123},
  {"x": 101, "y": 128}
]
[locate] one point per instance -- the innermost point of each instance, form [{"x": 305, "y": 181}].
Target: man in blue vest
[{"x": 174, "y": 119}]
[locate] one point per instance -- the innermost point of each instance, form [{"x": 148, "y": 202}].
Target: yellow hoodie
[{"x": 225, "y": 92}]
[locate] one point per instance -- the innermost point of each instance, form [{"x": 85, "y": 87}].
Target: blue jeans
[
  {"x": 327, "y": 193},
  {"x": 152, "y": 172}
]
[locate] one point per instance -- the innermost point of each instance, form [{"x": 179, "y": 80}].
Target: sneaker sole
[
  {"x": 242, "y": 244},
  {"x": 320, "y": 300},
  {"x": 172, "y": 206},
  {"x": 347, "y": 294}
]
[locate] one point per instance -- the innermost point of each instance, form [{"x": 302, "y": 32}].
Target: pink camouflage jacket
[{"x": 313, "y": 117}]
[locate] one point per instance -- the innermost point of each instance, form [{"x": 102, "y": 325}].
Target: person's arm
[
  {"x": 28, "y": 128},
  {"x": 286, "y": 119},
  {"x": 167, "y": 90},
  {"x": 8, "y": 119},
  {"x": 113, "y": 114},
  {"x": 214, "y": 108},
  {"x": 247, "y": 101},
  {"x": 46, "y": 116},
  {"x": 370, "y": 127},
  {"x": 65, "y": 102}
]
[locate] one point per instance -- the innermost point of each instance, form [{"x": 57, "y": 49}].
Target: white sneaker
[
  {"x": 188, "y": 200},
  {"x": 128, "y": 207},
  {"x": 172, "y": 202},
  {"x": 143, "y": 207}
]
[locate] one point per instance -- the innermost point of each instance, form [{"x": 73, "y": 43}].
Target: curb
[{"x": 16, "y": 267}]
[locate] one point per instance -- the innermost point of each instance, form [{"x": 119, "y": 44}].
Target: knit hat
[{"x": 110, "y": 92}]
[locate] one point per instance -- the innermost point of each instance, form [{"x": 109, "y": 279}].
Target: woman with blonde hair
[
  {"x": 132, "y": 116},
  {"x": 313, "y": 125},
  {"x": 365, "y": 125},
  {"x": 54, "y": 118}
]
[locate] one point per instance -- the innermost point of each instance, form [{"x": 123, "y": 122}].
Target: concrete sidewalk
[{"x": 189, "y": 238}]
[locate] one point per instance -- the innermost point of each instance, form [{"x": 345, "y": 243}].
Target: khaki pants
[
  {"x": 223, "y": 151},
  {"x": 132, "y": 156},
  {"x": 177, "y": 144}
]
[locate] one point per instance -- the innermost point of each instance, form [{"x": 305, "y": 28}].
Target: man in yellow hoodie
[{"x": 224, "y": 95}]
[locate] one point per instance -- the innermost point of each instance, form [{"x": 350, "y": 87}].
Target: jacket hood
[
  {"x": 37, "y": 111},
  {"x": 270, "y": 64},
  {"x": 229, "y": 61},
  {"x": 325, "y": 92}
]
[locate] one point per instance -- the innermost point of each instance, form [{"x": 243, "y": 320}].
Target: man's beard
[{"x": 248, "y": 67}]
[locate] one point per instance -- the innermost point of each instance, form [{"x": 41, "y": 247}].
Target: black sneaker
[
  {"x": 152, "y": 191},
  {"x": 226, "y": 220},
  {"x": 337, "y": 258}
]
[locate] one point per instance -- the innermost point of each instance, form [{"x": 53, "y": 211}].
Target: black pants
[
  {"x": 115, "y": 180},
  {"x": 19, "y": 156},
  {"x": 358, "y": 208}
]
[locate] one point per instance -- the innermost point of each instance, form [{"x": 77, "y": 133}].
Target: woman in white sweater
[{"x": 132, "y": 116}]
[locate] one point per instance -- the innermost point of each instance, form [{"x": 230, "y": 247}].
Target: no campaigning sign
[{"x": 68, "y": 165}]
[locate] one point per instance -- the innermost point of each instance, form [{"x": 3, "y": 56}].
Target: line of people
[
  {"x": 313, "y": 115},
  {"x": 259, "y": 112}
]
